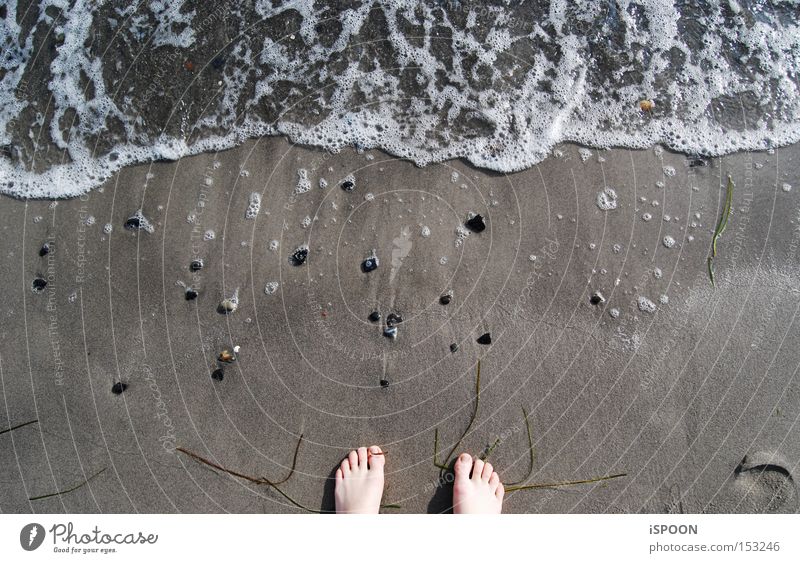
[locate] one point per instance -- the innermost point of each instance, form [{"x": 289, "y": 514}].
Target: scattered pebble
[
  {"x": 306, "y": 222},
  {"x": 393, "y": 319},
  {"x": 485, "y": 339},
  {"x": 476, "y": 224},
  {"x": 454, "y": 347},
  {"x": 657, "y": 273},
  {"x": 118, "y": 388},
  {"x": 89, "y": 221},
  {"x": 45, "y": 249},
  {"x": 668, "y": 241},
  {"x": 273, "y": 245},
  {"x": 209, "y": 235},
  {"x": 669, "y": 171},
  {"x": 370, "y": 263},
  {"x": 231, "y": 304},
  {"x": 614, "y": 313},
  {"x": 138, "y": 222},
  {"x": 271, "y": 287},
  {"x": 218, "y": 374},
  {"x": 38, "y": 285},
  {"x": 226, "y": 356},
  {"x": 323, "y": 183},
  {"x": 348, "y": 184},
  {"x": 190, "y": 294},
  {"x": 597, "y": 298},
  {"x": 647, "y": 216},
  {"x": 107, "y": 228},
  {"x": 196, "y": 265},
  {"x": 454, "y": 177},
  {"x": 446, "y": 298},
  {"x": 374, "y": 317},
  {"x": 426, "y": 232},
  {"x": 384, "y": 383},
  {"x": 390, "y": 332},
  {"x": 299, "y": 256}
]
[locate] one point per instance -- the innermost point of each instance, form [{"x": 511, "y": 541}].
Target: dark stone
[
  {"x": 384, "y": 383},
  {"x": 190, "y": 294},
  {"x": 348, "y": 185},
  {"x": 133, "y": 223},
  {"x": 38, "y": 285},
  {"x": 695, "y": 161},
  {"x": 218, "y": 374},
  {"x": 374, "y": 316},
  {"x": 370, "y": 264},
  {"x": 597, "y": 298},
  {"x": 299, "y": 256},
  {"x": 485, "y": 339},
  {"x": 476, "y": 224},
  {"x": 393, "y": 319},
  {"x": 118, "y": 388},
  {"x": 454, "y": 347},
  {"x": 445, "y": 299},
  {"x": 390, "y": 332},
  {"x": 45, "y": 250},
  {"x": 196, "y": 265}
]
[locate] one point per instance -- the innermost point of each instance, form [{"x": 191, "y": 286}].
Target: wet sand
[{"x": 697, "y": 402}]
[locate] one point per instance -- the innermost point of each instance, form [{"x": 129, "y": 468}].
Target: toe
[
  {"x": 494, "y": 481},
  {"x": 487, "y": 472},
  {"x": 376, "y": 459},
  {"x": 463, "y": 465},
  {"x": 477, "y": 469},
  {"x": 500, "y": 492},
  {"x": 345, "y": 466},
  {"x": 339, "y": 475},
  {"x": 353, "y": 456},
  {"x": 362, "y": 457}
]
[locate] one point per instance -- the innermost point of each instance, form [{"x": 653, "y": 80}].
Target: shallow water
[{"x": 88, "y": 87}]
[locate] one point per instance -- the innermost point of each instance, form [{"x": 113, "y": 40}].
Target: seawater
[{"x": 89, "y": 86}]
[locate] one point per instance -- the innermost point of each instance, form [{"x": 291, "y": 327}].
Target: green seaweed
[
  {"x": 516, "y": 485},
  {"x": 448, "y": 459},
  {"x": 64, "y": 492},
  {"x": 721, "y": 224},
  {"x": 264, "y": 480},
  {"x": 19, "y": 426}
]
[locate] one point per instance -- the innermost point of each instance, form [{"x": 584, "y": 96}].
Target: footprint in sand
[{"x": 762, "y": 484}]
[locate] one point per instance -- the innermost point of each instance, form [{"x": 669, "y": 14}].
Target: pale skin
[{"x": 359, "y": 484}]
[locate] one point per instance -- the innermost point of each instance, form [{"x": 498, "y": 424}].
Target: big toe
[
  {"x": 463, "y": 467},
  {"x": 376, "y": 458}
]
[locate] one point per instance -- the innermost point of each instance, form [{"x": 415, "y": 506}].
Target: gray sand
[{"x": 698, "y": 402}]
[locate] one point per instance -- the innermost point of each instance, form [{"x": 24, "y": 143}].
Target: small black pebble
[
  {"x": 132, "y": 223},
  {"x": 390, "y": 332},
  {"x": 485, "y": 339},
  {"x": 393, "y": 319},
  {"x": 374, "y": 316},
  {"x": 445, "y": 299},
  {"x": 299, "y": 256},
  {"x": 191, "y": 294},
  {"x": 454, "y": 347},
  {"x": 45, "y": 250},
  {"x": 348, "y": 186},
  {"x": 369, "y": 264},
  {"x": 118, "y": 388},
  {"x": 38, "y": 285},
  {"x": 597, "y": 298},
  {"x": 384, "y": 383},
  {"x": 218, "y": 374},
  {"x": 196, "y": 265},
  {"x": 476, "y": 224}
]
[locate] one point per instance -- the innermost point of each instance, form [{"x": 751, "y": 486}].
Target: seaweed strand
[
  {"x": 531, "y": 452},
  {"x": 19, "y": 426},
  {"x": 447, "y": 459},
  {"x": 723, "y": 222},
  {"x": 76, "y": 487},
  {"x": 564, "y": 483}
]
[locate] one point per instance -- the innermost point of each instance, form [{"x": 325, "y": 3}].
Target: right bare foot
[
  {"x": 479, "y": 493},
  {"x": 359, "y": 482}
]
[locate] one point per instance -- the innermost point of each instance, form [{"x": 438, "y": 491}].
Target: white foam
[{"x": 478, "y": 102}]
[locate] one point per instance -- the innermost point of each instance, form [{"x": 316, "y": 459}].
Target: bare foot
[
  {"x": 359, "y": 482},
  {"x": 481, "y": 493}
]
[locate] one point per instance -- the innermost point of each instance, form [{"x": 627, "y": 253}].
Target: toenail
[{"x": 464, "y": 457}]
